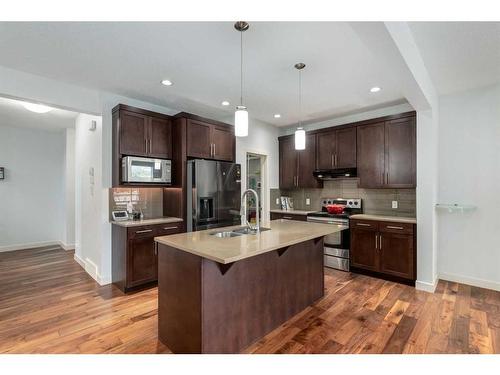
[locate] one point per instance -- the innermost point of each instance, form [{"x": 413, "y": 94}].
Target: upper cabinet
[
  {"x": 387, "y": 154},
  {"x": 143, "y": 134},
  {"x": 210, "y": 140},
  {"x": 296, "y": 167},
  {"x": 336, "y": 148}
]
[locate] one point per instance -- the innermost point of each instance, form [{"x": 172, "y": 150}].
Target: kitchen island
[{"x": 221, "y": 294}]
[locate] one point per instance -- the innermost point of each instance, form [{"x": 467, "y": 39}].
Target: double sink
[{"x": 236, "y": 232}]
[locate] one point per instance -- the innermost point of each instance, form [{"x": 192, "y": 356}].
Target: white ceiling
[
  {"x": 459, "y": 55},
  {"x": 13, "y": 114},
  {"x": 203, "y": 60}
]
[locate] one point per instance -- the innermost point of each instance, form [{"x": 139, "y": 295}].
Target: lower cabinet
[
  {"x": 279, "y": 215},
  {"x": 387, "y": 248},
  {"x": 135, "y": 258}
]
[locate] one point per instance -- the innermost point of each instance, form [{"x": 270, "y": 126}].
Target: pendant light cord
[
  {"x": 300, "y": 98},
  {"x": 241, "y": 68}
]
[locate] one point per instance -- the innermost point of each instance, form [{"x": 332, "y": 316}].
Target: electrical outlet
[
  {"x": 278, "y": 201},
  {"x": 394, "y": 204},
  {"x": 308, "y": 201}
]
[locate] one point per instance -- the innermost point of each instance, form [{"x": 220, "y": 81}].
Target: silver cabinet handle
[
  {"x": 363, "y": 225},
  {"x": 144, "y": 231},
  {"x": 146, "y": 146},
  {"x": 376, "y": 243},
  {"x": 380, "y": 242},
  {"x": 335, "y": 159},
  {"x": 150, "y": 147},
  {"x": 156, "y": 248},
  {"x": 214, "y": 149},
  {"x": 393, "y": 227},
  {"x": 333, "y": 164},
  {"x": 167, "y": 228}
]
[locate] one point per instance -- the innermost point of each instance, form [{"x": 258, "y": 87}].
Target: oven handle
[{"x": 329, "y": 221}]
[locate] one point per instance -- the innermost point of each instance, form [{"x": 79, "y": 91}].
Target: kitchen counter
[
  {"x": 137, "y": 223},
  {"x": 397, "y": 219},
  {"x": 219, "y": 295},
  {"x": 292, "y": 212},
  {"x": 283, "y": 233}
]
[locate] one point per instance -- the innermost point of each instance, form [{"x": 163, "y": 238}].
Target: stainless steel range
[{"x": 337, "y": 245}]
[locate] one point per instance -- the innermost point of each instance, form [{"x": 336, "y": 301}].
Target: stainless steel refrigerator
[{"x": 213, "y": 194}]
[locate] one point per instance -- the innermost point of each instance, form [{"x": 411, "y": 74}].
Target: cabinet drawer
[
  {"x": 142, "y": 231},
  {"x": 364, "y": 224},
  {"x": 276, "y": 216},
  {"x": 168, "y": 228},
  {"x": 395, "y": 227}
]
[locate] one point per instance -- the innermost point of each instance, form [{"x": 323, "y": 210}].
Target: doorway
[{"x": 256, "y": 179}]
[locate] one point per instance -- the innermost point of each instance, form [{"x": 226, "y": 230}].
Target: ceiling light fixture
[
  {"x": 241, "y": 114},
  {"x": 167, "y": 82},
  {"x": 225, "y": 103},
  {"x": 277, "y": 115},
  {"x": 37, "y": 108},
  {"x": 300, "y": 133},
  {"x": 375, "y": 89}
]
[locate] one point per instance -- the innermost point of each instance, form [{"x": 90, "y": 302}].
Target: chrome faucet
[{"x": 243, "y": 210}]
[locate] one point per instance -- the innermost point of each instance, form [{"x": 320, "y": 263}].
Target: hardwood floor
[{"x": 48, "y": 304}]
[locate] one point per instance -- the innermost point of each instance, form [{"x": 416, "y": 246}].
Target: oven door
[{"x": 339, "y": 240}]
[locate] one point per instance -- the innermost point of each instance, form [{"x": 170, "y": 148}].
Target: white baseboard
[
  {"x": 67, "y": 246},
  {"x": 31, "y": 245},
  {"x": 91, "y": 268},
  {"x": 426, "y": 286},
  {"x": 481, "y": 283}
]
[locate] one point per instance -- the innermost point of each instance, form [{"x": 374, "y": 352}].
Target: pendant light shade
[
  {"x": 241, "y": 121},
  {"x": 241, "y": 113},
  {"x": 300, "y": 133}
]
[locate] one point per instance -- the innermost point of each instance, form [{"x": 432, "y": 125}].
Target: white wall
[
  {"x": 89, "y": 249},
  {"x": 68, "y": 235},
  {"x": 31, "y": 210},
  {"x": 469, "y": 173}
]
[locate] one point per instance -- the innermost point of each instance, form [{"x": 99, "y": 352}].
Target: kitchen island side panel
[
  {"x": 179, "y": 300},
  {"x": 256, "y": 295}
]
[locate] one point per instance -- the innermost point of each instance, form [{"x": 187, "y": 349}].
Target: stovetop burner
[{"x": 353, "y": 206}]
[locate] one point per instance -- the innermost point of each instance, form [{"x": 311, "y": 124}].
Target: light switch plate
[
  {"x": 308, "y": 201},
  {"x": 394, "y": 204},
  {"x": 278, "y": 201}
]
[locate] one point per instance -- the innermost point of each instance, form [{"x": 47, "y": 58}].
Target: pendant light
[
  {"x": 241, "y": 114},
  {"x": 300, "y": 133}
]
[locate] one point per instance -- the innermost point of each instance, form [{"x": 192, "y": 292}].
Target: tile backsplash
[
  {"x": 375, "y": 201},
  {"x": 147, "y": 200}
]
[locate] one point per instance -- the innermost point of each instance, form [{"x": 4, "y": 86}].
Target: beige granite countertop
[
  {"x": 283, "y": 233},
  {"x": 136, "y": 223},
  {"x": 398, "y": 219},
  {"x": 292, "y": 212}
]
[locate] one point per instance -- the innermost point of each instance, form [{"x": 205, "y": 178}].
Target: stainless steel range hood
[{"x": 333, "y": 174}]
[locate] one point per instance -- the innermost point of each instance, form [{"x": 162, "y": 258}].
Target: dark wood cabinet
[
  {"x": 336, "y": 148},
  {"x": 297, "y": 166},
  {"x": 287, "y": 216},
  {"x": 387, "y": 154},
  {"x": 138, "y": 132},
  {"x": 387, "y": 248},
  {"x": 400, "y": 153},
  {"x": 210, "y": 141},
  {"x": 134, "y": 254}
]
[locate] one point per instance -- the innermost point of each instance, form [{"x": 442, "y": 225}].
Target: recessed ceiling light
[
  {"x": 277, "y": 115},
  {"x": 166, "y": 82},
  {"x": 375, "y": 89},
  {"x": 225, "y": 102},
  {"x": 37, "y": 108}
]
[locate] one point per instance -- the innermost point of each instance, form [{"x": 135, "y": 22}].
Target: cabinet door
[
  {"x": 288, "y": 163},
  {"x": 371, "y": 155},
  {"x": 133, "y": 133},
  {"x": 142, "y": 265},
  {"x": 223, "y": 140},
  {"x": 400, "y": 154},
  {"x": 396, "y": 254},
  {"x": 307, "y": 164},
  {"x": 325, "y": 154},
  {"x": 160, "y": 138},
  {"x": 198, "y": 139},
  {"x": 364, "y": 248},
  {"x": 345, "y": 150}
]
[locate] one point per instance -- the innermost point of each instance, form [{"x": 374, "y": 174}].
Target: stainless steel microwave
[{"x": 146, "y": 170}]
